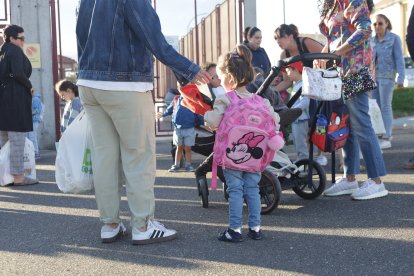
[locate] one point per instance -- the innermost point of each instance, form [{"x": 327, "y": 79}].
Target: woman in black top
[
  {"x": 15, "y": 100},
  {"x": 288, "y": 39}
]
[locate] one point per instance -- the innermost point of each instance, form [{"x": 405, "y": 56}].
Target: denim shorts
[{"x": 184, "y": 136}]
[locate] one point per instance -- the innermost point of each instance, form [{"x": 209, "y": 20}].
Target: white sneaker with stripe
[{"x": 156, "y": 232}]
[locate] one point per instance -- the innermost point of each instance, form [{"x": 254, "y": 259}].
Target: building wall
[
  {"x": 398, "y": 11},
  {"x": 34, "y": 17}
]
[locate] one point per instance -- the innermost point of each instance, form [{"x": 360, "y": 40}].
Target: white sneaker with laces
[
  {"x": 342, "y": 187},
  {"x": 109, "y": 234},
  {"x": 370, "y": 190},
  {"x": 385, "y": 144},
  {"x": 322, "y": 160},
  {"x": 156, "y": 232}
]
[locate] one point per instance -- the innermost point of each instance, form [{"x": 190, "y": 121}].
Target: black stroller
[{"x": 282, "y": 174}]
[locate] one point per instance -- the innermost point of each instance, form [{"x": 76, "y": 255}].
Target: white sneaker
[
  {"x": 322, "y": 160},
  {"x": 342, "y": 187},
  {"x": 109, "y": 234},
  {"x": 385, "y": 144},
  {"x": 370, "y": 190},
  {"x": 156, "y": 232}
]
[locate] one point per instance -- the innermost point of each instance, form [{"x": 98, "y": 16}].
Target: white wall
[{"x": 34, "y": 17}]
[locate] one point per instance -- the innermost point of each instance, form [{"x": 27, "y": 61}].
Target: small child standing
[
  {"x": 236, "y": 71},
  {"x": 301, "y": 125},
  {"x": 184, "y": 121},
  {"x": 68, "y": 91},
  {"x": 37, "y": 115}
]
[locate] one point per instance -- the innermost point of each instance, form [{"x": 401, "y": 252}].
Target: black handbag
[{"x": 358, "y": 83}]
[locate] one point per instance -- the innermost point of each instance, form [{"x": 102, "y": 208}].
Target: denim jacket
[
  {"x": 117, "y": 38},
  {"x": 388, "y": 57}
]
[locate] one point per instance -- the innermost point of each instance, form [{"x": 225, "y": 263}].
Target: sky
[{"x": 177, "y": 18}]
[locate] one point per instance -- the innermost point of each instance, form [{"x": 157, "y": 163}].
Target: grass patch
[{"x": 403, "y": 102}]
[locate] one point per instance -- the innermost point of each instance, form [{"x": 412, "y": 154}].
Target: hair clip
[{"x": 234, "y": 54}]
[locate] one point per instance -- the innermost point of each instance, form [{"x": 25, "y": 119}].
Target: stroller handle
[{"x": 285, "y": 62}]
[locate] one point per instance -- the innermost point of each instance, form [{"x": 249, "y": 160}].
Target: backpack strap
[
  {"x": 232, "y": 95},
  {"x": 214, "y": 175}
]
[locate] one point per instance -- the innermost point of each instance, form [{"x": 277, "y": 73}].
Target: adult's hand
[
  {"x": 400, "y": 86},
  {"x": 319, "y": 63},
  {"x": 202, "y": 77}
]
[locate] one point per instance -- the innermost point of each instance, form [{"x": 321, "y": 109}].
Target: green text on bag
[{"x": 87, "y": 162}]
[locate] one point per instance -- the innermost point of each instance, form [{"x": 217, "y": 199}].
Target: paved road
[{"x": 46, "y": 232}]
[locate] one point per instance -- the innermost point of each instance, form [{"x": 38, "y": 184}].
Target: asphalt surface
[{"x": 46, "y": 232}]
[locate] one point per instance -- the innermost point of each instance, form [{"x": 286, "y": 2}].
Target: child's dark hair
[
  {"x": 237, "y": 64},
  {"x": 11, "y": 31},
  {"x": 208, "y": 65},
  {"x": 64, "y": 85},
  {"x": 284, "y": 30}
]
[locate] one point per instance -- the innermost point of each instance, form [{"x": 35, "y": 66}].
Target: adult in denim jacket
[
  {"x": 347, "y": 26},
  {"x": 116, "y": 43},
  {"x": 388, "y": 59}
]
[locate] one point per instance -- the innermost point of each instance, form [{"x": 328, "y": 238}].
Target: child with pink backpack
[{"x": 246, "y": 141}]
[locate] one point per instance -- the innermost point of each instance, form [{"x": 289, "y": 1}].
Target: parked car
[{"x": 409, "y": 72}]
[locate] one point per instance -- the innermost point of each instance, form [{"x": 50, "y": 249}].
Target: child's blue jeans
[{"x": 242, "y": 185}]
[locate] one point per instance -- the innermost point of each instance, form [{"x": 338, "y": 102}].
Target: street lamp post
[
  {"x": 284, "y": 14},
  {"x": 196, "y": 31}
]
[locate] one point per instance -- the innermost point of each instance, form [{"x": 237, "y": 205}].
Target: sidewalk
[
  {"x": 46, "y": 232},
  {"x": 404, "y": 122}
]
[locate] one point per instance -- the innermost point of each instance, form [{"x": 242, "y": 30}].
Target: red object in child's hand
[{"x": 193, "y": 99}]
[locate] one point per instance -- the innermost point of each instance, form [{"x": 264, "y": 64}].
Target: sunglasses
[
  {"x": 20, "y": 37},
  {"x": 379, "y": 24}
]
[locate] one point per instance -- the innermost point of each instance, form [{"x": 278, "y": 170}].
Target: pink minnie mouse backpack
[{"x": 246, "y": 139}]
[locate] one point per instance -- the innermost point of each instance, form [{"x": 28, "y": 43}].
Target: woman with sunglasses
[
  {"x": 15, "y": 100},
  {"x": 389, "y": 61}
]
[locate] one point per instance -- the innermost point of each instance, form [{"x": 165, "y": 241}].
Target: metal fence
[{"x": 217, "y": 33}]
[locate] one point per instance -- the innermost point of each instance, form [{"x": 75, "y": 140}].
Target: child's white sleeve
[
  {"x": 272, "y": 111},
  {"x": 213, "y": 118}
]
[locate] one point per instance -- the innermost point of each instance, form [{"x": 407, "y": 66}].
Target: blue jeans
[
  {"x": 300, "y": 133},
  {"x": 383, "y": 94},
  {"x": 363, "y": 135},
  {"x": 239, "y": 185}
]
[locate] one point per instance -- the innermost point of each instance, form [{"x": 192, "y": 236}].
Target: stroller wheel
[
  {"x": 316, "y": 187},
  {"x": 203, "y": 190},
  {"x": 270, "y": 192}
]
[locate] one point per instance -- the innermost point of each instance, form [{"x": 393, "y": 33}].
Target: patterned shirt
[{"x": 349, "y": 22}]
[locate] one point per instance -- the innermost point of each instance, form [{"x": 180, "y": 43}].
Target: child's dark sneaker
[
  {"x": 189, "y": 168},
  {"x": 255, "y": 235},
  {"x": 230, "y": 236}
]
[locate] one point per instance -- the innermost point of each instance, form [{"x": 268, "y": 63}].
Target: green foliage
[{"x": 403, "y": 102}]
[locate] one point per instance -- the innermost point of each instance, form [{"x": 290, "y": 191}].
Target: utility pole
[{"x": 196, "y": 31}]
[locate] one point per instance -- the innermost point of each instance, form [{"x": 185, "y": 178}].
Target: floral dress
[{"x": 349, "y": 22}]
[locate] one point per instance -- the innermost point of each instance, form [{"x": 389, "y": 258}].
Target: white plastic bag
[
  {"x": 322, "y": 85},
  {"x": 29, "y": 162},
  {"x": 376, "y": 117},
  {"x": 73, "y": 160}
]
